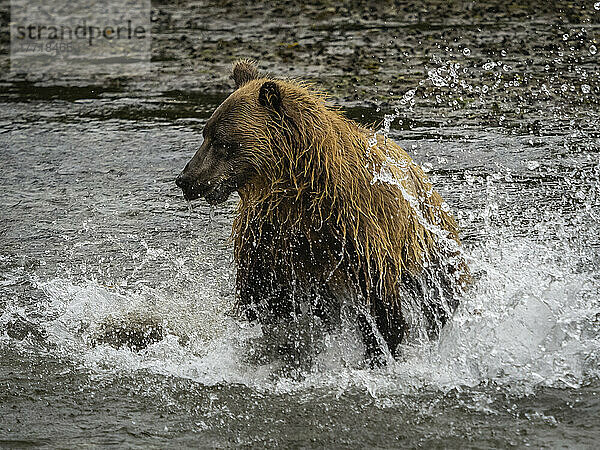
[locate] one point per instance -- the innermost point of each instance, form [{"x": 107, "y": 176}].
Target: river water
[{"x": 93, "y": 231}]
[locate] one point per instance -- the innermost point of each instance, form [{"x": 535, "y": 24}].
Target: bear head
[{"x": 234, "y": 138}]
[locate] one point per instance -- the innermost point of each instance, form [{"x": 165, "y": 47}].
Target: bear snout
[{"x": 182, "y": 181}]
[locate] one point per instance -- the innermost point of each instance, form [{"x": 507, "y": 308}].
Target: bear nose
[{"x": 182, "y": 181}]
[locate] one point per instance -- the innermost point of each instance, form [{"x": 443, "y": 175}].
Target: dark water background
[{"x": 499, "y": 102}]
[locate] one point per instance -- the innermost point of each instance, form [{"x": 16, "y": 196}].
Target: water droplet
[
  {"x": 503, "y": 52},
  {"x": 565, "y": 37},
  {"x": 466, "y": 51},
  {"x": 593, "y": 49},
  {"x": 597, "y": 6},
  {"x": 585, "y": 88},
  {"x": 532, "y": 165}
]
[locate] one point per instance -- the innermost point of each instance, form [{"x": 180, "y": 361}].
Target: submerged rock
[
  {"x": 133, "y": 333},
  {"x": 20, "y": 329}
]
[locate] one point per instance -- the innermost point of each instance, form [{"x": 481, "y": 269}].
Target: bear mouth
[
  {"x": 214, "y": 195},
  {"x": 218, "y": 194}
]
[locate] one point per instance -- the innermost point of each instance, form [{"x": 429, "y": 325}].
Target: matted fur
[{"x": 329, "y": 211}]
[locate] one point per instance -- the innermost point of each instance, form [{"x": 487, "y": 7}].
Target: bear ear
[
  {"x": 243, "y": 71},
  {"x": 269, "y": 96}
]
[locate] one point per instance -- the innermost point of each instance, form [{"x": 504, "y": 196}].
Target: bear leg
[
  {"x": 373, "y": 329},
  {"x": 374, "y": 346},
  {"x": 391, "y": 327}
]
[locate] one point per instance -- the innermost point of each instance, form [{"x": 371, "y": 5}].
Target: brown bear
[{"x": 331, "y": 215}]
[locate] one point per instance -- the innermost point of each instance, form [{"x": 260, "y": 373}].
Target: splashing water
[{"x": 529, "y": 321}]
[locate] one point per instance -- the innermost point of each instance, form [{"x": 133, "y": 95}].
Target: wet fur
[{"x": 314, "y": 230}]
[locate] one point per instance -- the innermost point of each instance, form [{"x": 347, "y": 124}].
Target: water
[{"x": 95, "y": 232}]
